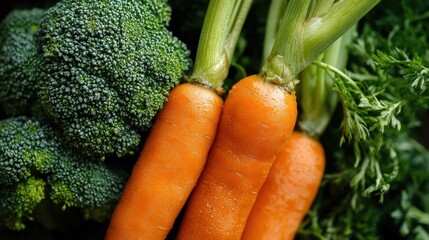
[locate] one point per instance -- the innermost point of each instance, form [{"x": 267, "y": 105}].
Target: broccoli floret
[
  {"x": 18, "y": 53},
  {"x": 77, "y": 182},
  {"x": 19, "y": 201},
  {"x": 107, "y": 68},
  {"x": 25, "y": 146},
  {"x": 34, "y": 160}
]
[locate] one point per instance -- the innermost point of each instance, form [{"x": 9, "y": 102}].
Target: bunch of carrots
[{"x": 236, "y": 167}]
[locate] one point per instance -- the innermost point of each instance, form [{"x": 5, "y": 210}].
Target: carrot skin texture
[
  {"x": 258, "y": 117},
  {"x": 169, "y": 165},
  {"x": 289, "y": 190}
]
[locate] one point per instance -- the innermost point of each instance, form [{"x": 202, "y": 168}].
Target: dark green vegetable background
[{"x": 389, "y": 62}]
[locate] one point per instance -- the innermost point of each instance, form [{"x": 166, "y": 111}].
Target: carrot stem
[
  {"x": 221, "y": 29},
  {"x": 305, "y": 32},
  {"x": 287, "y": 53},
  {"x": 241, "y": 10},
  {"x": 317, "y": 8},
  {"x": 318, "y": 99},
  {"x": 275, "y": 13},
  {"x": 322, "y": 31}
]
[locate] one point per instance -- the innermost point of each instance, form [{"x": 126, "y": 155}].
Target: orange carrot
[
  {"x": 169, "y": 165},
  {"x": 288, "y": 192},
  {"x": 257, "y": 119}
]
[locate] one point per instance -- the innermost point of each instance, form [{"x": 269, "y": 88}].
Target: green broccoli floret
[
  {"x": 34, "y": 160},
  {"x": 18, "y": 53},
  {"x": 107, "y": 68},
  {"x": 19, "y": 201},
  {"x": 77, "y": 182},
  {"x": 25, "y": 146}
]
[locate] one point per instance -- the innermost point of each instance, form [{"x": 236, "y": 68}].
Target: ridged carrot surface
[
  {"x": 257, "y": 119},
  {"x": 169, "y": 165},
  {"x": 288, "y": 192}
]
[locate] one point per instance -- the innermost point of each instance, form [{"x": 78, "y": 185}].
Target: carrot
[
  {"x": 171, "y": 161},
  {"x": 257, "y": 119},
  {"x": 180, "y": 139},
  {"x": 289, "y": 191}
]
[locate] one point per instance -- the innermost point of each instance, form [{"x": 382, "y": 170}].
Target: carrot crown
[
  {"x": 306, "y": 29},
  {"x": 222, "y": 26}
]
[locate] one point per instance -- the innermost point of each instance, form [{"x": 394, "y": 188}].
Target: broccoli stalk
[{"x": 106, "y": 69}]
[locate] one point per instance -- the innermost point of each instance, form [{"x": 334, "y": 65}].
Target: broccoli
[
  {"x": 106, "y": 69},
  {"x": 77, "y": 182},
  {"x": 19, "y": 201},
  {"x": 18, "y": 58},
  {"x": 34, "y": 161},
  {"x": 25, "y": 146}
]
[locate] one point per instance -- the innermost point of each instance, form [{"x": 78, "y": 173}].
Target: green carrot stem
[
  {"x": 321, "y": 32},
  {"x": 221, "y": 28},
  {"x": 275, "y": 13},
  {"x": 300, "y": 40}
]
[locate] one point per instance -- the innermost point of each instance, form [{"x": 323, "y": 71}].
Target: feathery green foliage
[{"x": 376, "y": 184}]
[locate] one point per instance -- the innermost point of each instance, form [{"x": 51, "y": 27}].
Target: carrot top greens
[
  {"x": 377, "y": 165},
  {"x": 365, "y": 98}
]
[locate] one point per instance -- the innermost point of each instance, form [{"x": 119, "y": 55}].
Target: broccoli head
[
  {"x": 107, "y": 68},
  {"x": 34, "y": 161},
  {"x": 18, "y": 53}
]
